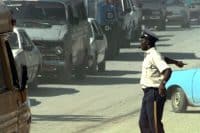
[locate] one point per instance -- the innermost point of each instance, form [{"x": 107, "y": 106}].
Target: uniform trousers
[{"x": 146, "y": 120}]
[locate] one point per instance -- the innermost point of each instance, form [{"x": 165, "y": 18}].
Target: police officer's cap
[{"x": 149, "y": 35}]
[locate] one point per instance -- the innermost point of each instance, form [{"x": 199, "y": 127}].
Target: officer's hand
[
  {"x": 180, "y": 64},
  {"x": 162, "y": 90}
]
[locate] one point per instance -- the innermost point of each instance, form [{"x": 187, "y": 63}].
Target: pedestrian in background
[{"x": 155, "y": 74}]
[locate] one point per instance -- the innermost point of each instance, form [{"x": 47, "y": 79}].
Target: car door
[
  {"x": 8, "y": 104},
  {"x": 99, "y": 37},
  {"x": 34, "y": 53},
  {"x": 196, "y": 87},
  {"x": 27, "y": 48}
]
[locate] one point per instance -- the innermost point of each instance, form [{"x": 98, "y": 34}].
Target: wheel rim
[{"x": 176, "y": 100}]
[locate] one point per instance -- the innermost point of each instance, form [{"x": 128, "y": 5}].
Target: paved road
[{"x": 109, "y": 102}]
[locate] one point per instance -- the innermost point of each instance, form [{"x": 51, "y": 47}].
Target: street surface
[{"x": 109, "y": 102}]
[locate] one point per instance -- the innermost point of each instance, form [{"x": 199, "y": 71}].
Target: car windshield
[
  {"x": 13, "y": 41},
  {"x": 40, "y": 13}
]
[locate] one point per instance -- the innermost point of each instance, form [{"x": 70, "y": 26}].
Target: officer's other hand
[
  {"x": 180, "y": 64},
  {"x": 162, "y": 90}
]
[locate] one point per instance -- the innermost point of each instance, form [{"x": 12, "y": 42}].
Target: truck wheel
[
  {"x": 162, "y": 25},
  {"x": 93, "y": 69},
  {"x": 179, "y": 101},
  {"x": 80, "y": 72},
  {"x": 136, "y": 33},
  {"x": 186, "y": 24},
  {"x": 102, "y": 66},
  {"x": 65, "y": 72}
]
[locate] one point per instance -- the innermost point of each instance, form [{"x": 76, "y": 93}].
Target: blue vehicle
[{"x": 183, "y": 88}]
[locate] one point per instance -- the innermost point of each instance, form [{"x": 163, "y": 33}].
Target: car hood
[
  {"x": 54, "y": 33},
  {"x": 16, "y": 52}
]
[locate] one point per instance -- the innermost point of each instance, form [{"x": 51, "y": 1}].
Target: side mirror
[
  {"x": 99, "y": 36},
  {"x": 127, "y": 10},
  {"x": 24, "y": 77}
]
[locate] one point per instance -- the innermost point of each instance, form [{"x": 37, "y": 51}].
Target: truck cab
[
  {"x": 15, "y": 113},
  {"x": 59, "y": 28},
  {"x": 119, "y": 21}
]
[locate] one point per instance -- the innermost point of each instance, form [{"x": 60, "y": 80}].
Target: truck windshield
[{"x": 52, "y": 12}]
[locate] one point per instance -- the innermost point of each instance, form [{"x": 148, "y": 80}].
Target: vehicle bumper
[
  {"x": 52, "y": 65},
  {"x": 175, "y": 19},
  {"x": 151, "y": 20}
]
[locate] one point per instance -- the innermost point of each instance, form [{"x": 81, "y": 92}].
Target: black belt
[{"x": 149, "y": 88}]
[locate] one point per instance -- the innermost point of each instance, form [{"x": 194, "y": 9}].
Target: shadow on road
[
  {"x": 138, "y": 56},
  {"x": 116, "y": 73},
  {"x": 51, "y": 91},
  {"x": 192, "y": 112},
  {"x": 163, "y": 36},
  {"x": 180, "y": 55},
  {"x": 99, "y": 80},
  {"x": 164, "y": 45},
  {"x": 74, "y": 118},
  {"x": 34, "y": 102}
]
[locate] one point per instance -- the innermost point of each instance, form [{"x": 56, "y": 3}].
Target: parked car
[
  {"x": 153, "y": 13},
  {"x": 183, "y": 89},
  {"x": 60, "y": 29},
  {"x": 25, "y": 53},
  {"x": 178, "y": 13},
  {"x": 98, "y": 47},
  {"x": 15, "y": 116},
  {"x": 194, "y": 7}
]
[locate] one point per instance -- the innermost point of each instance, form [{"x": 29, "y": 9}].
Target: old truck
[
  {"x": 15, "y": 115},
  {"x": 120, "y": 21},
  {"x": 60, "y": 29}
]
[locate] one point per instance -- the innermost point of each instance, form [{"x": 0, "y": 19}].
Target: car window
[
  {"x": 96, "y": 28},
  {"x": 26, "y": 42},
  {"x": 92, "y": 8},
  {"x": 2, "y": 83},
  {"x": 13, "y": 41}
]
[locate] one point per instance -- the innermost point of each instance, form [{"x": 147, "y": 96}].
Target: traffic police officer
[{"x": 155, "y": 74}]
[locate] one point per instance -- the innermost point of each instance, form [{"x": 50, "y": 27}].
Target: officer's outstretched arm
[{"x": 175, "y": 62}]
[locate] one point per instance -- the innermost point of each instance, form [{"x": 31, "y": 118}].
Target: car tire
[
  {"x": 102, "y": 66},
  {"x": 162, "y": 25},
  {"x": 93, "y": 69},
  {"x": 79, "y": 72},
  {"x": 186, "y": 24},
  {"x": 65, "y": 72},
  {"x": 179, "y": 101},
  {"x": 136, "y": 33}
]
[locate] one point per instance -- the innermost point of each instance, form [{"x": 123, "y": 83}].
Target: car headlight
[
  {"x": 109, "y": 15},
  {"x": 59, "y": 50},
  {"x": 107, "y": 28}
]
